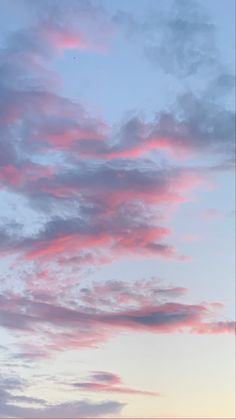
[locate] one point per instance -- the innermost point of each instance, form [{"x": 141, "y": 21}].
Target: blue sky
[{"x": 117, "y": 218}]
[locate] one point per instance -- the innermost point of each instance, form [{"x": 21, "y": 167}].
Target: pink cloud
[
  {"x": 148, "y": 145},
  {"x": 65, "y": 140},
  {"x": 115, "y": 218},
  {"x": 117, "y": 197},
  {"x": 216, "y": 328},
  {"x": 74, "y": 325},
  {"x": 190, "y": 238},
  {"x": 116, "y": 245},
  {"x": 101, "y": 381},
  {"x": 137, "y": 294},
  {"x": 63, "y": 38},
  {"x": 66, "y": 244},
  {"x": 17, "y": 177}
]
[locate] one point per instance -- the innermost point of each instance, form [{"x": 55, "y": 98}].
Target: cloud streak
[
  {"x": 101, "y": 381},
  {"x": 95, "y": 319}
]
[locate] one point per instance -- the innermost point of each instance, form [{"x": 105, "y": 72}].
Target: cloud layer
[{"x": 82, "y": 193}]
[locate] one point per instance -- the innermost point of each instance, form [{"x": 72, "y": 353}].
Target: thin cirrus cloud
[
  {"x": 92, "y": 318},
  {"x": 74, "y": 410},
  {"x": 10, "y": 404},
  {"x": 100, "y": 381}
]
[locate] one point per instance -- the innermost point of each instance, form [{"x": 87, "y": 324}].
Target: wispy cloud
[
  {"x": 12, "y": 396},
  {"x": 101, "y": 381},
  {"x": 101, "y": 193},
  {"x": 91, "y": 320}
]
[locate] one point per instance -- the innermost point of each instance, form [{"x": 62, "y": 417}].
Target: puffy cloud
[
  {"x": 96, "y": 197},
  {"x": 110, "y": 205},
  {"x": 116, "y": 198},
  {"x": 116, "y": 210},
  {"x": 181, "y": 41},
  {"x": 28, "y": 90},
  {"x": 196, "y": 125}
]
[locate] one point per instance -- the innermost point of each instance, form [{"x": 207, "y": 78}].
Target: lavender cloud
[
  {"x": 101, "y": 381},
  {"x": 81, "y": 323}
]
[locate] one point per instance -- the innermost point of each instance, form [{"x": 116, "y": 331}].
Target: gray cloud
[
  {"x": 109, "y": 194},
  {"x": 187, "y": 40},
  {"x": 10, "y": 404},
  {"x": 10, "y": 386},
  {"x": 63, "y": 327},
  {"x": 181, "y": 40},
  {"x": 109, "y": 383},
  {"x": 73, "y": 410}
]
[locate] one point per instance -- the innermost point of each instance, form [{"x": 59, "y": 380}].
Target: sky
[{"x": 117, "y": 215}]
